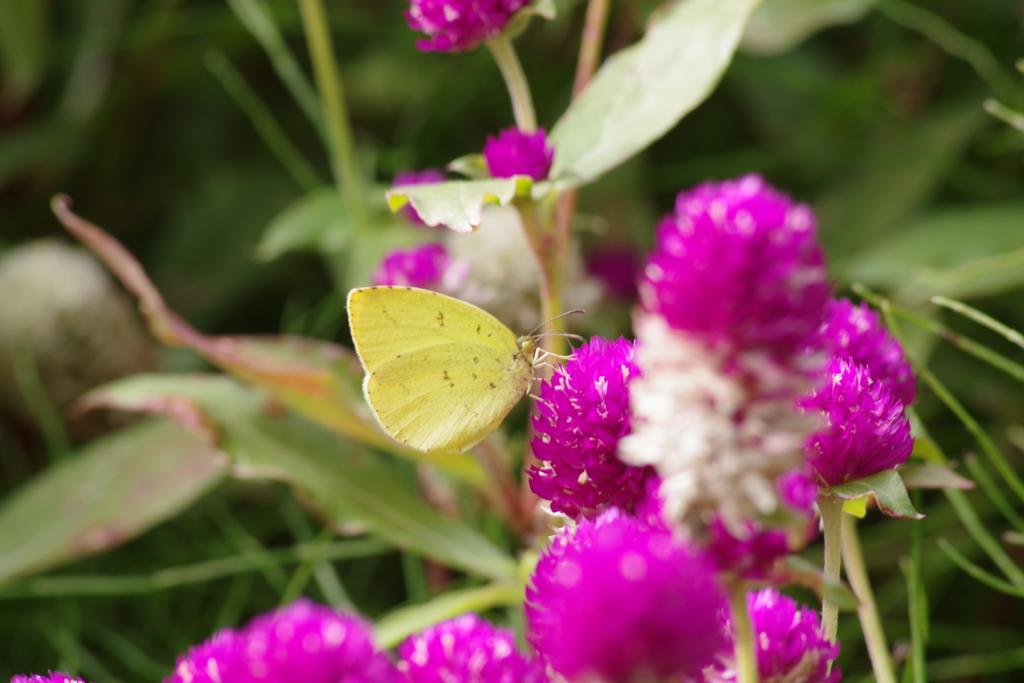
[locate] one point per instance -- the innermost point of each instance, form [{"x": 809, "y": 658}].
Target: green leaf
[
  {"x": 458, "y": 203},
  {"x": 318, "y": 222},
  {"x": 931, "y": 256},
  {"x": 396, "y": 626},
  {"x": 887, "y": 489},
  {"x": 928, "y": 475},
  {"x": 643, "y": 91},
  {"x": 349, "y": 483},
  {"x": 926, "y": 449},
  {"x": 858, "y": 507},
  {"x": 977, "y": 572},
  {"x": 314, "y": 378},
  {"x": 899, "y": 169},
  {"x": 780, "y": 25},
  {"x": 473, "y": 166},
  {"x": 116, "y": 488}
]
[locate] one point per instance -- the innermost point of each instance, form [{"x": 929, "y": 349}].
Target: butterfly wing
[{"x": 441, "y": 374}]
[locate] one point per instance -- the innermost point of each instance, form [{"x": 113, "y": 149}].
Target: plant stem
[
  {"x": 332, "y": 101},
  {"x": 831, "y": 514},
  {"x": 870, "y": 622},
  {"x": 917, "y": 601},
  {"x": 590, "y": 46},
  {"x": 544, "y": 242},
  {"x": 543, "y": 239},
  {"x": 518, "y": 88},
  {"x": 590, "y": 54},
  {"x": 743, "y": 636}
]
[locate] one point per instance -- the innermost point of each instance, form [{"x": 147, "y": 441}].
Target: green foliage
[
  {"x": 458, "y": 204},
  {"x": 194, "y": 132},
  {"x": 886, "y": 488},
  {"x": 641, "y": 92},
  {"x": 348, "y": 483},
  {"x": 105, "y": 496}
]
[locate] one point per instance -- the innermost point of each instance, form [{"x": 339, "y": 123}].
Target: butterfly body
[{"x": 441, "y": 374}]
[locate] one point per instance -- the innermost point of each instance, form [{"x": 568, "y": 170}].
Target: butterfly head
[{"x": 527, "y": 346}]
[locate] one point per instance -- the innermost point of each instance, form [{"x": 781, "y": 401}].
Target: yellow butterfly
[{"x": 441, "y": 374}]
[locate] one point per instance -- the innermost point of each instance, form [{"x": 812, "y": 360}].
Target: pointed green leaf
[
  {"x": 929, "y": 475},
  {"x": 473, "y": 166},
  {"x": 643, "y": 91},
  {"x": 457, "y": 204},
  {"x": 116, "y": 488},
  {"x": 780, "y": 25},
  {"x": 887, "y": 489},
  {"x": 346, "y": 481}
]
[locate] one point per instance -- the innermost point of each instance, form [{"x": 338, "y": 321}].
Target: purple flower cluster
[
  {"x": 738, "y": 265},
  {"x": 515, "y": 152},
  {"x": 424, "y": 177},
  {"x": 789, "y": 642},
  {"x": 52, "y": 677},
  {"x": 467, "y": 649},
  {"x": 619, "y": 601},
  {"x": 302, "y": 643},
  {"x": 423, "y": 266},
  {"x": 753, "y": 556},
  {"x": 459, "y": 25},
  {"x": 798, "y": 491},
  {"x": 582, "y": 413},
  {"x": 865, "y": 429},
  {"x": 854, "y": 333}
]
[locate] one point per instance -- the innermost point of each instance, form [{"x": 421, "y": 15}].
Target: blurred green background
[{"x": 876, "y": 122}]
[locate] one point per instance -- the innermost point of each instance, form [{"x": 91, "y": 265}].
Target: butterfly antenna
[
  {"x": 564, "y": 335},
  {"x": 573, "y": 312}
]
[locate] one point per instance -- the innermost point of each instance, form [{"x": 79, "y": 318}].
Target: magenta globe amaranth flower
[
  {"x": 797, "y": 490},
  {"x": 738, "y": 266},
  {"x": 467, "y": 649},
  {"x": 582, "y": 413},
  {"x": 458, "y": 25},
  {"x": 856, "y": 334},
  {"x": 427, "y": 266},
  {"x": 301, "y": 643},
  {"x": 51, "y": 677},
  {"x": 789, "y": 643},
  {"x": 752, "y": 556},
  {"x": 618, "y": 601},
  {"x": 515, "y": 152},
  {"x": 424, "y": 177},
  {"x": 865, "y": 430}
]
